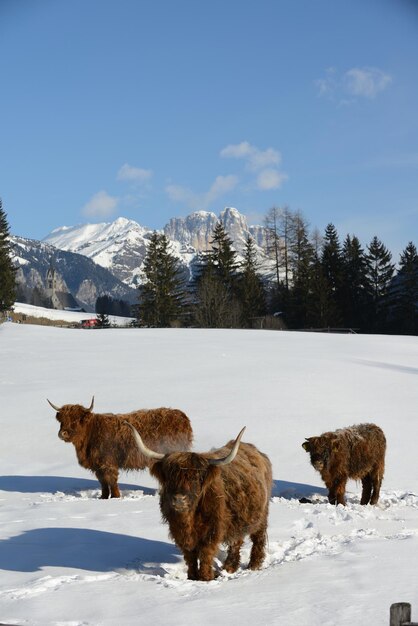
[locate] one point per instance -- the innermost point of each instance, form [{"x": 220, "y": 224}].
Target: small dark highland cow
[
  {"x": 103, "y": 442},
  {"x": 213, "y": 498},
  {"x": 357, "y": 452}
]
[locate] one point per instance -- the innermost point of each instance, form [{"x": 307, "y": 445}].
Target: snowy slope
[{"x": 67, "y": 558}]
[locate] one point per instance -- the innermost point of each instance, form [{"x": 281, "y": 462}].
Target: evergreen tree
[
  {"x": 332, "y": 270},
  {"x": 222, "y": 258},
  {"x": 302, "y": 256},
  {"x": 161, "y": 294},
  {"x": 104, "y": 304},
  {"x": 216, "y": 284},
  {"x": 107, "y": 304},
  {"x": 103, "y": 320},
  {"x": 380, "y": 272},
  {"x": 251, "y": 289},
  {"x": 322, "y": 308},
  {"x": 355, "y": 291},
  {"x": 405, "y": 291},
  {"x": 7, "y": 271}
]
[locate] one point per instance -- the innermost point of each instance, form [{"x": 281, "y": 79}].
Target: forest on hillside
[{"x": 315, "y": 281}]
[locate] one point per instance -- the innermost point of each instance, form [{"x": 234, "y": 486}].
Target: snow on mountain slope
[{"x": 120, "y": 246}]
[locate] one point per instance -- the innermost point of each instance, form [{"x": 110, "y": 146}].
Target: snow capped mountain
[
  {"x": 75, "y": 273},
  {"x": 120, "y": 246}
]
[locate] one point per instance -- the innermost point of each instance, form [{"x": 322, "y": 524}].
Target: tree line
[{"x": 313, "y": 281}]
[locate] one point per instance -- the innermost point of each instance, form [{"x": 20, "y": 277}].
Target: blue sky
[{"x": 154, "y": 109}]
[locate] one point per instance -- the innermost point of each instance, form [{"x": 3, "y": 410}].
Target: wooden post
[{"x": 400, "y": 613}]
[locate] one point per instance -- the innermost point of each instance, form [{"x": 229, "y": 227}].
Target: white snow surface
[
  {"x": 70, "y": 559},
  {"x": 65, "y": 316}
]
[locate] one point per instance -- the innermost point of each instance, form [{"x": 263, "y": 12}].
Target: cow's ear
[
  {"x": 156, "y": 470},
  {"x": 306, "y": 445}
]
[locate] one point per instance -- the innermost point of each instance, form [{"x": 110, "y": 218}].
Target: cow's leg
[
  {"x": 233, "y": 557},
  {"x": 108, "y": 479},
  {"x": 367, "y": 489},
  {"x": 331, "y": 495},
  {"x": 206, "y": 557},
  {"x": 336, "y": 492},
  {"x": 190, "y": 556},
  {"x": 104, "y": 485},
  {"x": 258, "y": 550},
  {"x": 376, "y": 480}
]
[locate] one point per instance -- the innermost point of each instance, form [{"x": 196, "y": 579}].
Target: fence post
[{"x": 400, "y": 613}]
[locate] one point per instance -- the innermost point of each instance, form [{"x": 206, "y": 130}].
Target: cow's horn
[
  {"x": 150, "y": 454},
  {"x": 231, "y": 456},
  {"x": 56, "y": 408},
  {"x": 91, "y": 405}
]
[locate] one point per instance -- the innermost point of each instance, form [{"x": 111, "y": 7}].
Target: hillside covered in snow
[{"x": 70, "y": 559}]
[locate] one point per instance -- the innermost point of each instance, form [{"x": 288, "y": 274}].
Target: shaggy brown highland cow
[
  {"x": 213, "y": 498},
  {"x": 357, "y": 452},
  {"x": 103, "y": 442}
]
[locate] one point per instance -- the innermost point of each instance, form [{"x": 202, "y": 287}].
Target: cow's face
[
  {"x": 71, "y": 418},
  {"x": 320, "y": 449},
  {"x": 183, "y": 478}
]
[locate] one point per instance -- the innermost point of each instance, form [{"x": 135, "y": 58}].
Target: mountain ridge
[{"x": 121, "y": 245}]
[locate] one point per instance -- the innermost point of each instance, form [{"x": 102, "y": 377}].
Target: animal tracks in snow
[{"x": 296, "y": 532}]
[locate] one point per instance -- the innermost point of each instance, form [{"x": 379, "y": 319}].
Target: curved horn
[
  {"x": 231, "y": 456},
  {"x": 150, "y": 454},
  {"x": 91, "y": 405},
  {"x": 56, "y": 408}
]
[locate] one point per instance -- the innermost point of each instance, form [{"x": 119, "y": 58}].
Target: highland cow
[
  {"x": 357, "y": 452},
  {"x": 103, "y": 442},
  {"x": 213, "y": 498}
]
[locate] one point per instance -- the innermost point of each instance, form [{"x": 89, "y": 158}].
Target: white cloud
[
  {"x": 100, "y": 205},
  {"x": 263, "y": 162},
  {"x": 270, "y": 179},
  {"x": 237, "y": 151},
  {"x": 255, "y": 158},
  {"x": 220, "y": 186},
  {"x": 134, "y": 174},
  {"x": 366, "y": 82},
  {"x": 357, "y": 82}
]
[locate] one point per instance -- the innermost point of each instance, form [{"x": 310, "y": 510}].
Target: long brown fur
[
  {"x": 357, "y": 452},
  {"x": 104, "y": 444},
  {"x": 206, "y": 505}
]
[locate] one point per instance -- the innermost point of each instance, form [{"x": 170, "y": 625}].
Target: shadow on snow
[
  {"x": 285, "y": 489},
  {"x": 52, "y": 484},
  {"x": 85, "y": 549}
]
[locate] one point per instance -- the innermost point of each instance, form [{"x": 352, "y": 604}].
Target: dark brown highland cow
[
  {"x": 213, "y": 498},
  {"x": 103, "y": 442},
  {"x": 357, "y": 452}
]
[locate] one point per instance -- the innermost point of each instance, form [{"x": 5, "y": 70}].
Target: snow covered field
[{"x": 70, "y": 559}]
